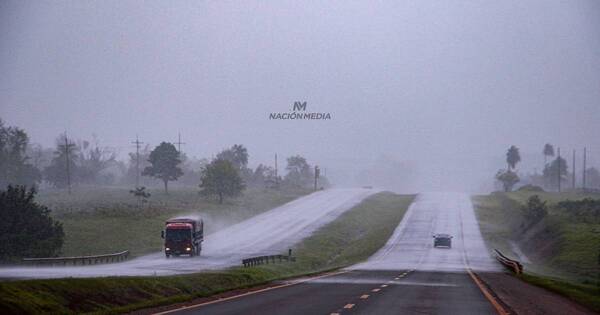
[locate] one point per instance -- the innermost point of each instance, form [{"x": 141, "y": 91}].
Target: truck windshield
[{"x": 178, "y": 234}]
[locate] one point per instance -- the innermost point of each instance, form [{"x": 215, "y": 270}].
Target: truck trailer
[{"x": 183, "y": 236}]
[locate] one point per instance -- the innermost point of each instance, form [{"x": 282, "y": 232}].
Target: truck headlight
[
  {"x": 188, "y": 249},
  {"x": 167, "y": 248}
]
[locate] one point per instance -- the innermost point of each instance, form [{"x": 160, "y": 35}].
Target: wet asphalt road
[
  {"x": 406, "y": 276},
  {"x": 363, "y": 292}
]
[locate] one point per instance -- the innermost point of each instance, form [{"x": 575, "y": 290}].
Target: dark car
[{"x": 442, "y": 240}]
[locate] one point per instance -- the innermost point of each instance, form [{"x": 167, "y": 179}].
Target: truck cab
[{"x": 183, "y": 236}]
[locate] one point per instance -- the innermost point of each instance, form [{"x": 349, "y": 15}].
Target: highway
[
  {"x": 271, "y": 232},
  {"x": 407, "y": 276}
]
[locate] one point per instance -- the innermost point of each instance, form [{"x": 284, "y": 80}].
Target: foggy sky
[{"x": 442, "y": 86}]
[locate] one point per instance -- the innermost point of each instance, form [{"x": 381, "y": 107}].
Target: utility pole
[
  {"x": 317, "y": 173},
  {"x": 179, "y": 143},
  {"x": 276, "y": 176},
  {"x": 573, "y": 185},
  {"x": 584, "y": 165},
  {"x": 558, "y": 163},
  {"x": 68, "y": 147},
  {"x": 137, "y": 161}
]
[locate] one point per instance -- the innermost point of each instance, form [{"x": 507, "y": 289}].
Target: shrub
[{"x": 26, "y": 228}]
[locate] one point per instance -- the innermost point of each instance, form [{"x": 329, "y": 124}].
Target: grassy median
[{"x": 351, "y": 238}]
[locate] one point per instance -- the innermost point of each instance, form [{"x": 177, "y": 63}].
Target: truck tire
[{"x": 168, "y": 256}]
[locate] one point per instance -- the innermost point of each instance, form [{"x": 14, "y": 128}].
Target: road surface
[
  {"x": 407, "y": 276},
  {"x": 271, "y": 232}
]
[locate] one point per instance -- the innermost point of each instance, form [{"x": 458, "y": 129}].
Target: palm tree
[
  {"x": 548, "y": 151},
  {"x": 512, "y": 157}
]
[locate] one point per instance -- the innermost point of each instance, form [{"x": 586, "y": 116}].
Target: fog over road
[
  {"x": 271, "y": 232},
  {"x": 411, "y": 245},
  {"x": 407, "y": 276}
]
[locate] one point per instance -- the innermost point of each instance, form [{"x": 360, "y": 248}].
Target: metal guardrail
[
  {"x": 79, "y": 260},
  {"x": 259, "y": 260},
  {"x": 511, "y": 264}
]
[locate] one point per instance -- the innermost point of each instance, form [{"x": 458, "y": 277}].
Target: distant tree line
[
  {"x": 228, "y": 174},
  {"x": 86, "y": 162}
]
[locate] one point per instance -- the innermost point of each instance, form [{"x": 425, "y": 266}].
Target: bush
[
  {"x": 26, "y": 228},
  {"x": 531, "y": 188},
  {"x": 534, "y": 211},
  {"x": 585, "y": 210}
]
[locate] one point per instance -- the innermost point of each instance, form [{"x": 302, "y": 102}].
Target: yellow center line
[
  {"x": 349, "y": 306},
  {"x": 364, "y": 296},
  {"x": 497, "y": 306}
]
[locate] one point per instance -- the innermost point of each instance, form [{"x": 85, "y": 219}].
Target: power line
[
  {"x": 137, "y": 160},
  {"x": 68, "y": 147},
  {"x": 179, "y": 143}
]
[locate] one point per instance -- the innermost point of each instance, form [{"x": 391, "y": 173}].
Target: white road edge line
[{"x": 249, "y": 293}]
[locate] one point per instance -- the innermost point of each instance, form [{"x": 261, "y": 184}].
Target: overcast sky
[{"x": 419, "y": 82}]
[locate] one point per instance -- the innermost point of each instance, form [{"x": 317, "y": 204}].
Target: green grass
[
  {"x": 563, "y": 251},
  {"x": 586, "y": 294},
  {"x": 107, "y": 220},
  {"x": 351, "y": 238}
]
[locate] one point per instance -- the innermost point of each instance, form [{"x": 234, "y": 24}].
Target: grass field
[
  {"x": 107, "y": 220},
  {"x": 564, "y": 252},
  {"x": 351, "y": 238}
]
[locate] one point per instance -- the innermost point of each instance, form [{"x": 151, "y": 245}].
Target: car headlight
[{"x": 188, "y": 249}]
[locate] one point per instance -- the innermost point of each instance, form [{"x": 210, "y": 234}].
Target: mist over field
[{"x": 423, "y": 96}]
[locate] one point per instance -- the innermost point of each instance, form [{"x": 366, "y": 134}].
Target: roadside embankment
[{"x": 558, "y": 246}]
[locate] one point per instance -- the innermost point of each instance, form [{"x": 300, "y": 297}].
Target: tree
[
  {"x": 237, "y": 155},
  {"x": 512, "y": 157},
  {"x": 26, "y": 227},
  {"x": 92, "y": 160},
  {"x": 56, "y": 173},
  {"x": 299, "y": 172},
  {"x": 548, "y": 151},
  {"x": 15, "y": 168},
  {"x": 132, "y": 168},
  {"x": 263, "y": 176},
  {"x": 534, "y": 211},
  {"x": 508, "y": 179},
  {"x": 551, "y": 175},
  {"x": 164, "y": 161},
  {"x": 192, "y": 168},
  {"x": 220, "y": 178}
]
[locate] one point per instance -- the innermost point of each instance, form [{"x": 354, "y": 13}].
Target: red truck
[{"x": 183, "y": 236}]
